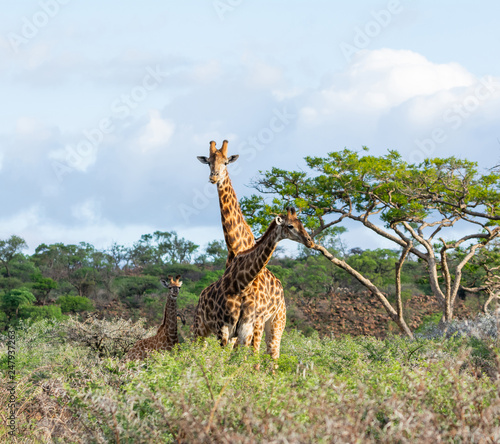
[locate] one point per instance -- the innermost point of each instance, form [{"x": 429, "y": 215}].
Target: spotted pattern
[
  {"x": 264, "y": 300},
  {"x": 229, "y": 309},
  {"x": 166, "y": 336}
]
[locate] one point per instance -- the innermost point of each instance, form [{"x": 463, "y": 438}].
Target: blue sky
[{"x": 105, "y": 105}]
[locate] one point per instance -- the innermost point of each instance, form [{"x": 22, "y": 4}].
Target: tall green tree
[
  {"x": 9, "y": 249},
  {"x": 416, "y": 206}
]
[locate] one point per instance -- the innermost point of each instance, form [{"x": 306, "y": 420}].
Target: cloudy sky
[{"x": 105, "y": 105}]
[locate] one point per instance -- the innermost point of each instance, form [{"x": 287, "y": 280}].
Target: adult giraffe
[
  {"x": 263, "y": 304},
  {"x": 219, "y": 309}
]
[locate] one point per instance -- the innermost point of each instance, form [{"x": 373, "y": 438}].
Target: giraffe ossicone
[{"x": 167, "y": 336}]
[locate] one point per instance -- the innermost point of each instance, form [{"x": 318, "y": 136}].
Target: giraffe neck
[
  {"x": 247, "y": 265},
  {"x": 237, "y": 233},
  {"x": 169, "y": 323}
]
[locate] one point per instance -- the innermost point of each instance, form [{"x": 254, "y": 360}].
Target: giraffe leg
[
  {"x": 224, "y": 335},
  {"x": 246, "y": 322},
  {"x": 274, "y": 330},
  {"x": 258, "y": 331}
]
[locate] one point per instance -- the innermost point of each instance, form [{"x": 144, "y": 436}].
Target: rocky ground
[{"x": 355, "y": 314}]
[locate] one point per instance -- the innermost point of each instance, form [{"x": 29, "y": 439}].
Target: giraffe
[
  {"x": 219, "y": 308},
  {"x": 166, "y": 337},
  {"x": 265, "y": 298}
]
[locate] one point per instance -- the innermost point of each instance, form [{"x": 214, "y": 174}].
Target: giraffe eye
[{"x": 290, "y": 226}]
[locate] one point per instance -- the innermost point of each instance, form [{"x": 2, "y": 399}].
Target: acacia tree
[
  {"x": 9, "y": 249},
  {"x": 413, "y": 205}
]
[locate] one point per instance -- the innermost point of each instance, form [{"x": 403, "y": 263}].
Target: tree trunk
[
  {"x": 370, "y": 286},
  {"x": 491, "y": 295}
]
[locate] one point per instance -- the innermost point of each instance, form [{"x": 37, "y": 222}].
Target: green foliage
[
  {"x": 377, "y": 265},
  {"x": 217, "y": 252},
  {"x": 10, "y": 283},
  {"x": 407, "y": 198},
  {"x": 36, "y": 313},
  {"x": 74, "y": 304},
  {"x": 162, "y": 247},
  {"x": 392, "y": 390},
  {"x": 43, "y": 286},
  {"x": 187, "y": 299},
  {"x": 9, "y": 249},
  {"x": 130, "y": 286},
  {"x": 11, "y": 301}
]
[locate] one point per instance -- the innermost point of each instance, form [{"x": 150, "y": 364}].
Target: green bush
[
  {"x": 36, "y": 313},
  {"x": 73, "y": 304},
  {"x": 186, "y": 299},
  {"x": 13, "y": 300},
  {"x": 130, "y": 287}
]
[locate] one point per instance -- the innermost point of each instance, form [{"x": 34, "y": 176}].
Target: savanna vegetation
[{"x": 77, "y": 309}]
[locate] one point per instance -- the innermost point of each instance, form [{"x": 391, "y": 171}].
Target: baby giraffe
[
  {"x": 166, "y": 336},
  {"x": 219, "y": 307}
]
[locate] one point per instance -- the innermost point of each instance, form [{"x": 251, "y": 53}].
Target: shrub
[
  {"x": 186, "y": 299},
  {"x": 72, "y": 304},
  {"x": 37, "y": 313},
  {"x": 483, "y": 326},
  {"x": 112, "y": 337},
  {"x": 13, "y": 300}
]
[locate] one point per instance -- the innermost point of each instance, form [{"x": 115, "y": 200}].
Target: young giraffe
[
  {"x": 219, "y": 307},
  {"x": 264, "y": 300},
  {"x": 166, "y": 336}
]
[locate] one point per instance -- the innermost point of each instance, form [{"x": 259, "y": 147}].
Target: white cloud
[
  {"x": 87, "y": 211},
  {"x": 157, "y": 132},
  {"x": 377, "y": 81}
]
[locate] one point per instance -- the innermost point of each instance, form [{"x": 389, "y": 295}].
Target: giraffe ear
[
  {"x": 164, "y": 283},
  {"x": 279, "y": 220},
  {"x": 203, "y": 159},
  {"x": 232, "y": 159}
]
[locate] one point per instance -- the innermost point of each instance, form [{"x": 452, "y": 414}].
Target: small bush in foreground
[{"x": 110, "y": 338}]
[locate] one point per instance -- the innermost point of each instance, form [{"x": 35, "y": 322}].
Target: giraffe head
[
  {"x": 173, "y": 285},
  {"x": 291, "y": 228},
  {"x": 218, "y": 162}
]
